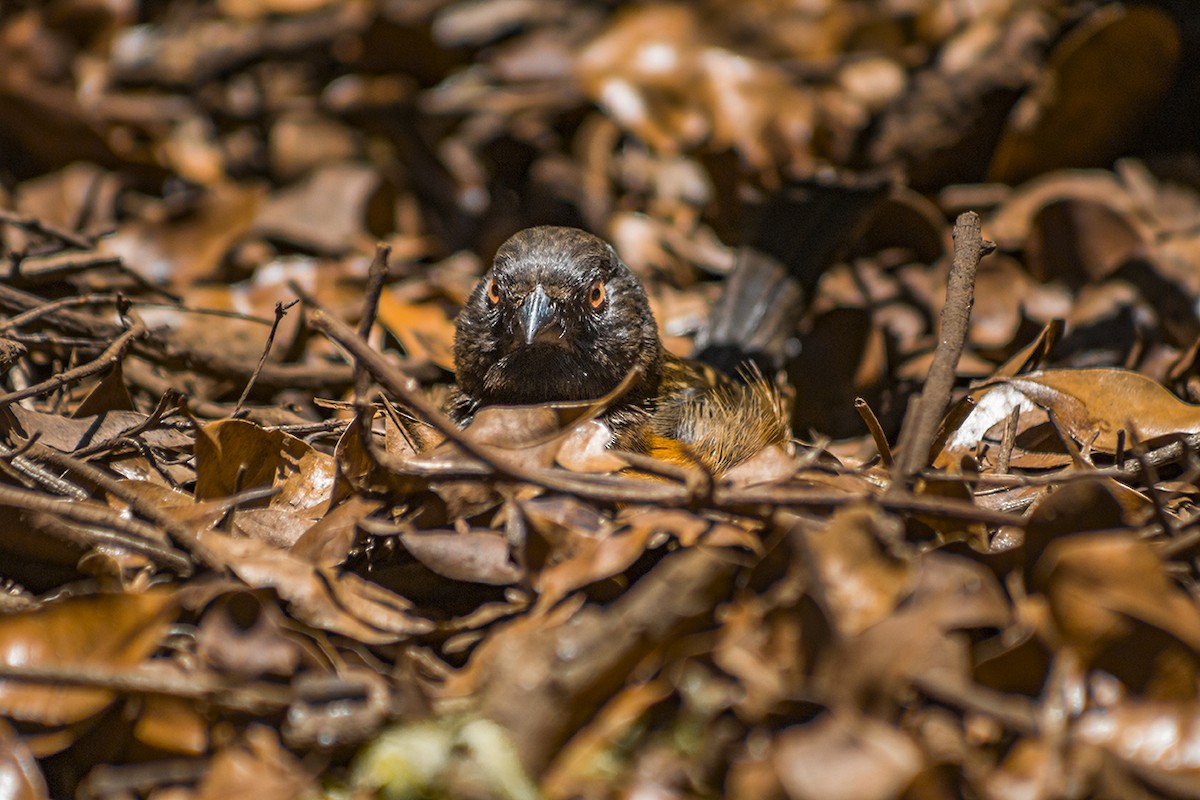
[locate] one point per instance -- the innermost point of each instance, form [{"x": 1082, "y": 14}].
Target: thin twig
[
  {"x": 1016, "y": 712},
  {"x": 1004, "y": 459},
  {"x": 54, "y": 306},
  {"x": 917, "y": 438},
  {"x": 131, "y": 534},
  {"x": 1151, "y": 481},
  {"x": 877, "y": 434},
  {"x": 167, "y": 348},
  {"x": 35, "y": 473},
  {"x": 105, "y": 360},
  {"x": 56, "y": 267},
  {"x": 170, "y": 401},
  {"x": 376, "y": 277},
  {"x": 35, "y": 225},
  {"x": 253, "y": 698},
  {"x": 280, "y": 313}
]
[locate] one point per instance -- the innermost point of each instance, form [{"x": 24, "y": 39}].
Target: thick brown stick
[{"x": 917, "y": 437}]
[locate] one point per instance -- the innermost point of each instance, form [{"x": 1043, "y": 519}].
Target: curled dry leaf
[
  {"x": 331, "y": 710},
  {"x": 470, "y": 556},
  {"x": 1099, "y": 583},
  {"x": 345, "y": 603},
  {"x": 327, "y": 542},
  {"x": 1092, "y": 406},
  {"x": 854, "y": 579},
  {"x": 234, "y": 456},
  {"x": 585, "y": 449},
  {"x": 1080, "y": 240}
]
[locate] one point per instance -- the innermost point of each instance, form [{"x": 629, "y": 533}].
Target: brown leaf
[
  {"x": 329, "y": 211},
  {"x": 1082, "y": 110},
  {"x": 172, "y": 724},
  {"x": 585, "y": 449},
  {"x": 1091, "y": 405},
  {"x": 187, "y": 249},
  {"x": 66, "y": 434},
  {"x": 109, "y": 631},
  {"x": 845, "y": 759},
  {"x": 257, "y": 768},
  {"x": 110, "y": 394},
  {"x": 19, "y": 772},
  {"x": 423, "y": 329},
  {"x": 855, "y": 581},
  {"x": 1098, "y": 583},
  {"x": 1080, "y": 240},
  {"x": 234, "y": 456},
  {"x": 1158, "y": 741},
  {"x": 243, "y": 635},
  {"x": 327, "y": 542},
  {"x": 345, "y": 604},
  {"x": 277, "y": 527},
  {"x": 762, "y": 648},
  {"x": 472, "y": 556}
]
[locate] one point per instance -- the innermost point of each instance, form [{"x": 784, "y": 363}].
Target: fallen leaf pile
[{"x": 245, "y": 554}]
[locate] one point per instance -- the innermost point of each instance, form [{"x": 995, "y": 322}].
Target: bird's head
[{"x": 558, "y": 317}]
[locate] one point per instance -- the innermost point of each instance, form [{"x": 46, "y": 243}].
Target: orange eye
[
  {"x": 597, "y": 294},
  {"x": 493, "y": 292}
]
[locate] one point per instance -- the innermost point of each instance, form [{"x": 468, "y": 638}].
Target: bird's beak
[{"x": 536, "y": 314}]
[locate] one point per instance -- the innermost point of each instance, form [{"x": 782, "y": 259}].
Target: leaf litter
[{"x": 246, "y": 554}]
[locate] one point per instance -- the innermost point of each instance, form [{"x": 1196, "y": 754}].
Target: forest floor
[{"x": 245, "y": 553}]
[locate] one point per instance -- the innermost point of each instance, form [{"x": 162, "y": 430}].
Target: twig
[
  {"x": 54, "y": 306},
  {"x": 1004, "y": 459},
  {"x": 376, "y": 276},
  {"x": 252, "y": 698},
  {"x": 917, "y": 438},
  {"x": 105, "y": 360},
  {"x": 37, "y": 474},
  {"x": 170, "y": 401},
  {"x": 1015, "y": 712},
  {"x": 35, "y": 225},
  {"x": 43, "y": 269},
  {"x": 1151, "y": 481},
  {"x": 183, "y": 532},
  {"x": 872, "y": 423},
  {"x": 165, "y": 347},
  {"x": 131, "y": 534},
  {"x": 280, "y": 313}
]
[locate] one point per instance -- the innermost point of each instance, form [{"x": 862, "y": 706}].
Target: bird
[{"x": 560, "y": 318}]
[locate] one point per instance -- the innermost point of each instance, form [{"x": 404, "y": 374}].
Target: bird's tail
[{"x": 794, "y": 237}]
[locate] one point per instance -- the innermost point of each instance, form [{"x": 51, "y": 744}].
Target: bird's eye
[
  {"x": 597, "y": 294},
  {"x": 493, "y": 292}
]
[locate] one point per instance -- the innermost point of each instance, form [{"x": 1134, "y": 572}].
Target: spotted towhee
[{"x": 560, "y": 318}]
